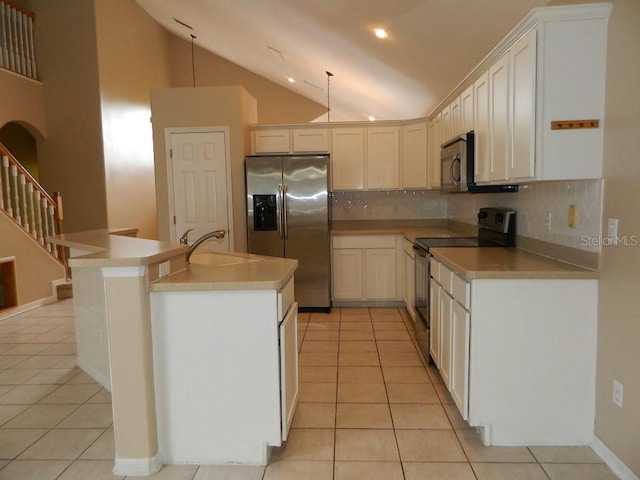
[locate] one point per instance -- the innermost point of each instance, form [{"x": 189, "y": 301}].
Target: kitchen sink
[{"x": 215, "y": 259}]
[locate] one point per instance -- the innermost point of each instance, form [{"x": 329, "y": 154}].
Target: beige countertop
[
  {"x": 506, "y": 263},
  {"x": 228, "y": 271},
  {"x": 411, "y": 230},
  {"x": 207, "y": 271}
]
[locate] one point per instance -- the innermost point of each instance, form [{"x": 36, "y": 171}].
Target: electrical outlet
[
  {"x": 164, "y": 268},
  {"x": 547, "y": 222},
  {"x": 396, "y": 209},
  {"x": 572, "y": 217},
  {"x": 618, "y": 393}
]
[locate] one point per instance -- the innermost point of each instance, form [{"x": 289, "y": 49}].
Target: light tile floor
[{"x": 368, "y": 408}]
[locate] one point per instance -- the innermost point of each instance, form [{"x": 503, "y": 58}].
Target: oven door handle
[{"x": 420, "y": 251}]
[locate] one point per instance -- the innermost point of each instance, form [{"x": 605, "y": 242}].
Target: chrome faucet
[
  {"x": 216, "y": 233},
  {"x": 184, "y": 239}
]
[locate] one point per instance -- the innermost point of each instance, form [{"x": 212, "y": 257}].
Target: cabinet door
[
  {"x": 456, "y": 118},
  {"x": 433, "y": 154},
  {"x": 445, "y": 124},
  {"x": 310, "y": 140},
  {"x": 435, "y": 320},
  {"x": 288, "y": 368},
  {"x": 380, "y": 274},
  {"x": 413, "y": 162},
  {"x": 347, "y": 158},
  {"x": 347, "y": 274},
  {"x": 276, "y": 140},
  {"x": 467, "y": 122},
  {"x": 446, "y": 305},
  {"x": 523, "y": 78},
  {"x": 483, "y": 145},
  {"x": 383, "y": 157},
  {"x": 459, "y": 377},
  {"x": 499, "y": 118}
]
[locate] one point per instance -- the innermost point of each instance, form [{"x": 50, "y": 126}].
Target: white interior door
[{"x": 199, "y": 178}]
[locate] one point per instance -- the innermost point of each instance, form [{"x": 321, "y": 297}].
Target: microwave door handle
[{"x": 456, "y": 181}]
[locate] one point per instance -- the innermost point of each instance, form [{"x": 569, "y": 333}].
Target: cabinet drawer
[
  {"x": 286, "y": 297},
  {"x": 445, "y": 278},
  {"x": 364, "y": 241},
  {"x": 407, "y": 246},
  {"x": 434, "y": 269},
  {"x": 461, "y": 290}
]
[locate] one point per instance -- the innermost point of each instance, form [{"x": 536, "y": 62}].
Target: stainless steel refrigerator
[{"x": 288, "y": 216}]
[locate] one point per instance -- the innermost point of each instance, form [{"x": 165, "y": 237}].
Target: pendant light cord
[
  {"x": 193, "y": 63},
  {"x": 329, "y": 75}
]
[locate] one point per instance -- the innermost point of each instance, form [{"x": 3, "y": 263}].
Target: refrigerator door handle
[
  {"x": 285, "y": 220},
  {"x": 280, "y": 209}
]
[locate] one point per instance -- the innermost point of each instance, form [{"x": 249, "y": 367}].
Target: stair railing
[
  {"x": 29, "y": 205},
  {"x": 17, "y": 51}
]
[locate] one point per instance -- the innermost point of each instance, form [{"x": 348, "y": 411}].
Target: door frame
[{"x": 169, "y": 161}]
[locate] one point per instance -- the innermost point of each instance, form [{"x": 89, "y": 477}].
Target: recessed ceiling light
[
  {"x": 380, "y": 32},
  {"x": 291, "y": 80},
  {"x": 371, "y": 118}
]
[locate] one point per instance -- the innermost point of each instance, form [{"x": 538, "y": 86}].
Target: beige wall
[
  {"x": 22, "y": 145},
  {"x": 275, "y": 103},
  {"x": 619, "y": 302},
  {"x": 22, "y": 100},
  {"x": 70, "y": 160},
  {"x": 232, "y": 107},
  {"x": 35, "y": 268},
  {"x": 132, "y": 58}
]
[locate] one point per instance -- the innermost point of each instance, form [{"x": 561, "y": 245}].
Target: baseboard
[
  {"x": 613, "y": 462},
  {"x": 17, "y": 310},
  {"x": 137, "y": 467}
]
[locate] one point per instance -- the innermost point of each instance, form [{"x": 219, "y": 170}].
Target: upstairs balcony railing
[
  {"x": 29, "y": 205},
  {"x": 17, "y": 52}
]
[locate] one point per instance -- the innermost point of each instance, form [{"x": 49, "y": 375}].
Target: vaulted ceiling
[{"x": 432, "y": 45}]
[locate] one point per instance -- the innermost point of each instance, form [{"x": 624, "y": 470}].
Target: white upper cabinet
[
  {"x": 521, "y": 158},
  {"x": 538, "y": 99},
  {"x": 481, "y": 114},
  {"x": 499, "y": 118},
  {"x": 272, "y": 140},
  {"x": 455, "y": 114},
  {"x": 347, "y": 158},
  {"x": 310, "y": 140},
  {"x": 413, "y": 161},
  {"x": 433, "y": 154},
  {"x": 467, "y": 120},
  {"x": 383, "y": 157}
]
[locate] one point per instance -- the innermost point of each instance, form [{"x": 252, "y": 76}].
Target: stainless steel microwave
[
  {"x": 457, "y": 157},
  {"x": 457, "y": 170}
]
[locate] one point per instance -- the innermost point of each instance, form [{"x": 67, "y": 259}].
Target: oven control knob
[
  {"x": 499, "y": 218},
  {"x": 482, "y": 214}
]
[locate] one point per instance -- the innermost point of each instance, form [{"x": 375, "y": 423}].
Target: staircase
[
  {"x": 30, "y": 265},
  {"x": 29, "y": 205}
]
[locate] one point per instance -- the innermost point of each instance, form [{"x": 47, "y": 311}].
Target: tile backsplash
[
  {"x": 388, "y": 205},
  {"x": 533, "y": 202}
]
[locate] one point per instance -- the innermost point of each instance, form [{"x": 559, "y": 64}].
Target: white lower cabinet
[
  {"x": 517, "y": 355},
  {"x": 364, "y": 268},
  {"x": 225, "y": 369}
]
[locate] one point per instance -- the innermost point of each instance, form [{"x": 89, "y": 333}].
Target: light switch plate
[
  {"x": 612, "y": 231},
  {"x": 164, "y": 269}
]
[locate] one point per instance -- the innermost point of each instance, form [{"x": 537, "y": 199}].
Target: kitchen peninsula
[{"x": 168, "y": 326}]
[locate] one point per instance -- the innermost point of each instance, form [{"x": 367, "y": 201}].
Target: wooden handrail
[{"x": 29, "y": 205}]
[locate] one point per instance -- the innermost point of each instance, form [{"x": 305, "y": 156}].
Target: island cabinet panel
[
  {"x": 225, "y": 369},
  {"x": 517, "y": 355}
]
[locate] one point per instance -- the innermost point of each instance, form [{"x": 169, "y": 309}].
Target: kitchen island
[{"x": 217, "y": 321}]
